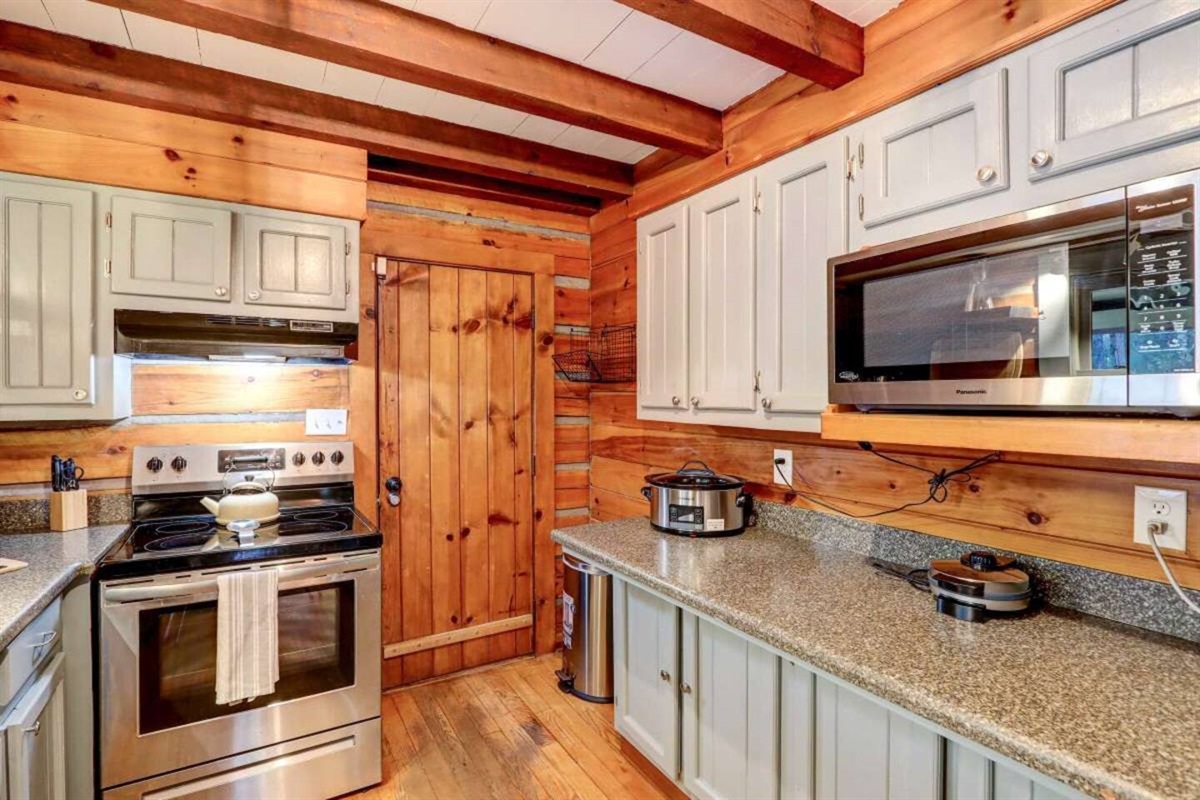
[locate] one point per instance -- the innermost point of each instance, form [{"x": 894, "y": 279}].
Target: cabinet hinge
[
  {"x": 862, "y": 154},
  {"x": 347, "y": 246},
  {"x": 108, "y": 219},
  {"x": 107, "y": 268},
  {"x": 850, "y": 168},
  {"x": 861, "y": 208},
  {"x": 533, "y": 465},
  {"x": 758, "y": 202},
  {"x": 757, "y": 381},
  {"x": 347, "y": 287}
]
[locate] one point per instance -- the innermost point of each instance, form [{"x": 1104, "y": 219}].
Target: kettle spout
[{"x": 212, "y": 505}]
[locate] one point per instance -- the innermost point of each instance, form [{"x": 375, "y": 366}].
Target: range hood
[{"x": 149, "y": 334}]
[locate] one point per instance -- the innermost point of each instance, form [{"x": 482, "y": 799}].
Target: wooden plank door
[{"x": 456, "y": 429}]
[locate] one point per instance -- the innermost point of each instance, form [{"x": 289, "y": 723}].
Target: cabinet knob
[
  {"x": 685, "y": 688},
  {"x": 666, "y": 676},
  {"x": 1040, "y": 158},
  {"x": 766, "y": 403},
  {"x": 220, "y": 291},
  {"x": 985, "y": 174},
  {"x": 35, "y": 728},
  {"x": 695, "y": 401},
  {"x": 254, "y": 295},
  {"x": 675, "y": 400},
  {"x": 80, "y": 394}
]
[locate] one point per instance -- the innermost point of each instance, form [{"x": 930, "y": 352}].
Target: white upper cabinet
[
  {"x": 942, "y": 147},
  {"x": 170, "y": 249},
  {"x": 730, "y": 714},
  {"x": 1115, "y": 89},
  {"x": 721, "y": 288},
  {"x": 662, "y": 313},
  {"x": 645, "y": 674},
  {"x": 294, "y": 263},
  {"x": 46, "y": 262},
  {"x": 801, "y": 224}
]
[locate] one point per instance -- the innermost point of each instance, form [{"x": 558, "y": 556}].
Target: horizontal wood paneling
[
  {"x": 237, "y": 388},
  {"x": 570, "y": 444},
  {"x": 614, "y": 295},
  {"x": 476, "y": 233},
  {"x": 571, "y": 306}
]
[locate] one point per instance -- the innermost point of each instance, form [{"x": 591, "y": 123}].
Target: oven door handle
[{"x": 158, "y": 591}]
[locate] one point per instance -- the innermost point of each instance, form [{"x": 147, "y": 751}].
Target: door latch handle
[{"x": 393, "y": 486}]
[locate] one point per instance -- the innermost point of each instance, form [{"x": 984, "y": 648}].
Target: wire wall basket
[{"x": 606, "y": 355}]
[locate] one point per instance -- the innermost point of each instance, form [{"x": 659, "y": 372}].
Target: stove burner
[
  {"x": 300, "y": 528},
  {"x": 316, "y": 514},
  {"x": 189, "y": 526},
  {"x": 179, "y": 540}
]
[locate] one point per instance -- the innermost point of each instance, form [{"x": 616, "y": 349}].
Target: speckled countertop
[
  {"x": 55, "y": 559},
  {"x": 1106, "y": 708}
]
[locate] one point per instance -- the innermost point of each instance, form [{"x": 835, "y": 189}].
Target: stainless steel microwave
[{"x": 1085, "y": 305}]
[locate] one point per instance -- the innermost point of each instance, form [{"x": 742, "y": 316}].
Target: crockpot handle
[
  {"x": 646, "y": 492},
  {"x": 705, "y": 468},
  {"x": 745, "y": 501}
]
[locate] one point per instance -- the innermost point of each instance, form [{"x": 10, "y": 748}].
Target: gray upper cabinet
[
  {"x": 294, "y": 263},
  {"x": 941, "y": 148},
  {"x": 1116, "y": 89},
  {"x": 46, "y": 260},
  {"x": 167, "y": 249}
]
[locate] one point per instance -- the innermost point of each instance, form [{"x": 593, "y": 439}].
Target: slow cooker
[{"x": 696, "y": 501}]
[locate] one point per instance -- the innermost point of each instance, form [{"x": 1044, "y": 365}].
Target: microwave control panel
[{"x": 1162, "y": 279}]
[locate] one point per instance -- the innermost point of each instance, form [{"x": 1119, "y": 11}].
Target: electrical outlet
[
  {"x": 781, "y": 474},
  {"x": 1166, "y": 507},
  {"x": 325, "y": 422}
]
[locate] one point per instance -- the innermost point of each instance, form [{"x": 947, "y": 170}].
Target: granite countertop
[
  {"x": 55, "y": 559},
  {"x": 1104, "y": 707}
]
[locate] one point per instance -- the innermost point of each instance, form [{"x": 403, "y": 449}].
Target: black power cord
[{"x": 939, "y": 482}]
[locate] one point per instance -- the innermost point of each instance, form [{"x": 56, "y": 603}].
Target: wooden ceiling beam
[
  {"x": 386, "y": 40},
  {"x": 35, "y": 57},
  {"x": 797, "y": 36}
]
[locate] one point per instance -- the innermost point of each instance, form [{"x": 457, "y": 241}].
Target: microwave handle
[{"x": 158, "y": 591}]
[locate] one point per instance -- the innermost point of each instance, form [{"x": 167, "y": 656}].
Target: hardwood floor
[{"x": 504, "y": 732}]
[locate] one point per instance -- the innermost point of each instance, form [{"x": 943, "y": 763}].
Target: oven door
[
  {"x": 158, "y": 642},
  {"x": 1024, "y": 310}
]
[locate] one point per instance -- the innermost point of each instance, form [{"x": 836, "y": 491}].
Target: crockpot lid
[{"x": 694, "y": 477}]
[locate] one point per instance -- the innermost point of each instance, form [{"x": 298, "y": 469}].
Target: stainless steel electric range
[{"x": 161, "y": 732}]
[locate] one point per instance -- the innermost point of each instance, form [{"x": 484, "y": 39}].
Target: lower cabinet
[
  {"x": 35, "y": 738},
  {"x": 726, "y": 717}
]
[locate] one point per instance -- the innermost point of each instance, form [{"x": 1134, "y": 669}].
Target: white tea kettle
[{"x": 245, "y": 500}]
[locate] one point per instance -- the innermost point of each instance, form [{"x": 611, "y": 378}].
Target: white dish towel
[{"x": 247, "y": 635}]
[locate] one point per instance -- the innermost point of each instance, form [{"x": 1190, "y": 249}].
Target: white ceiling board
[
  {"x": 862, "y": 12},
  {"x": 704, "y": 72},
  {"x": 89, "y": 20},
  {"x": 566, "y": 29},
  {"x": 453, "y": 108},
  {"x": 402, "y": 3},
  {"x": 632, "y": 43},
  {"x": 247, "y": 58},
  {"x": 638, "y": 153},
  {"x": 463, "y": 13},
  {"x": 26, "y": 12},
  {"x": 353, "y": 84},
  {"x": 497, "y": 119},
  {"x": 162, "y": 38},
  {"x": 594, "y": 143},
  {"x": 540, "y": 129},
  {"x": 404, "y": 96}
]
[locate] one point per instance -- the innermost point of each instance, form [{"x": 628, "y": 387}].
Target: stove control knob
[
  {"x": 336, "y": 457},
  {"x": 179, "y": 463},
  {"x": 298, "y": 459},
  {"x": 318, "y": 458},
  {"x": 155, "y": 464}
]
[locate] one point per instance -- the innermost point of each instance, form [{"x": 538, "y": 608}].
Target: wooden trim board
[{"x": 457, "y": 636}]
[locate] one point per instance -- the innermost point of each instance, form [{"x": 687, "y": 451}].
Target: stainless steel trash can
[{"x": 587, "y": 669}]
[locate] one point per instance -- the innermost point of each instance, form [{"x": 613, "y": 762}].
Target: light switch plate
[
  {"x": 325, "y": 422},
  {"x": 1166, "y": 506},
  {"x": 781, "y": 471}
]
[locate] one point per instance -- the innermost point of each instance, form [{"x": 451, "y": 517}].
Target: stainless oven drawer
[{"x": 316, "y": 767}]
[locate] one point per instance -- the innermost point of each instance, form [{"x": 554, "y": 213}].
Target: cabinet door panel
[
  {"x": 721, "y": 296},
  {"x": 46, "y": 286},
  {"x": 943, "y": 147},
  {"x": 802, "y": 224},
  {"x": 1115, "y": 89},
  {"x": 294, "y": 263},
  {"x": 662, "y": 318},
  {"x": 797, "y": 721},
  {"x": 165, "y": 249},
  {"x": 865, "y": 751},
  {"x": 730, "y": 714},
  {"x": 35, "y": 739},
  {"x": 646, "y": 654}
]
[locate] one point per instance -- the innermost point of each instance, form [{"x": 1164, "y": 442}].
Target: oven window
[
  {"x": 1047, "y": 306},
  {"x": 178, "y": 661}
]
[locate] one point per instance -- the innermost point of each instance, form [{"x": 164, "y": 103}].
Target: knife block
[{"x": 68, "y": 510}]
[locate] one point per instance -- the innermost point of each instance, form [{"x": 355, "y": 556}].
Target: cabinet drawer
[
  {"x": 29, "y": 650},
  {"x": 1116, "y": 89},
  {"x": 943, "y": 147}
]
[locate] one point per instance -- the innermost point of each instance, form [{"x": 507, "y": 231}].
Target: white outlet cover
[
  {"x": 325, "y": 422},
  {"x": 1160, "y": 505},
  {"x": 785, "y": 468}
]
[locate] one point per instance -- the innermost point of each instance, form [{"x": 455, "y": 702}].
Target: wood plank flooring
[{"x": 504, "y": 732}]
